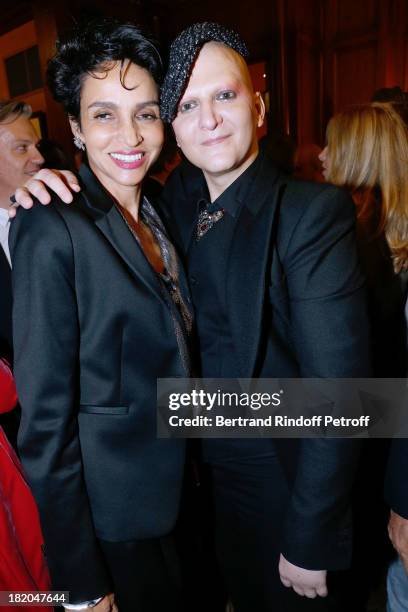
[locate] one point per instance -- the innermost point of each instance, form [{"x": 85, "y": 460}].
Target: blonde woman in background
[{"x": 367, "y": 152}]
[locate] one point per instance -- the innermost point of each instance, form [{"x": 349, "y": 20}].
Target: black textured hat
[{"x": 183, "y": 53}]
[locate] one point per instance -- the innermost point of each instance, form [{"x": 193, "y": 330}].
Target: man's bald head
[
  {"x": 235, "y": 59},
  {"x": 218, "y": 115},
  {"x": 183, "y": 54}
]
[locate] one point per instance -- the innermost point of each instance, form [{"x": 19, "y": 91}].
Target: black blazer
[
  {"x": 92, "y": 333},
  {"x": 297, "y": 308},
  {"x": 396, "y": 489}
]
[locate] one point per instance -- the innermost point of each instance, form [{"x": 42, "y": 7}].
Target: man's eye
[
  {"x": 22, "y": 149},
  {"x": 226, "y": 95},
  {"x": 187, "y": 106}
]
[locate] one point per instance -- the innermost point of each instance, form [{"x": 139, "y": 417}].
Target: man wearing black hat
[{"x": 278, "y": 294}]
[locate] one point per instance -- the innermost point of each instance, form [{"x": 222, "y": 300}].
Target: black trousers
[
  {"x": 145, "y": 574},
  {"x": 250, "y": 502}
]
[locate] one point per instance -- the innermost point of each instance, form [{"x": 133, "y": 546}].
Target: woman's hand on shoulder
[{"x": 61, "y": 182}]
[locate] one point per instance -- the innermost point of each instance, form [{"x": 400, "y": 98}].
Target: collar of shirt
[
  {"x": 233, "y": 197},
  {"x": 4, "y": 217},
  {"x": 4, "y": 232}
]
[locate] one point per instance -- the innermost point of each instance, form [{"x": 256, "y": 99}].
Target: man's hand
[
  {"x": 62, "y": 182},
  {"x": 107, "y": 604},
  {"x": 309, "y": 583},
  {"x": 398, "y": 532}
]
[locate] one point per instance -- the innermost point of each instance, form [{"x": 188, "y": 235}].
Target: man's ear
[{"x": 260, "y": 108}]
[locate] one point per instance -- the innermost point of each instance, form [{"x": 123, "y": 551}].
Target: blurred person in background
[
  {"x": 20, "y": 159},
  {"x": 367, "y": 152},
  {"x": 22, "y": 564},
  {"x": 397, "y": 471}
]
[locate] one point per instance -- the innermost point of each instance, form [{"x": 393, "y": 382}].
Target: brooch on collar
[{"x": 206, "y": 220}]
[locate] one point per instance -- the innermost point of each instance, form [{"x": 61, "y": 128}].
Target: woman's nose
[
  {"x": 131, "y": 134},
  {"x": 323, "y": 155}
]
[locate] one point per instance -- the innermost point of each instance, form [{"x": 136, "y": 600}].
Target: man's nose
[
  {"x": 37, "y": 158},
  {"x": 209, "y": 117}
]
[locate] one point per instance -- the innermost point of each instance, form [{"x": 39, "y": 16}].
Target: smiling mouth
[{"x": 127, "y": 158}]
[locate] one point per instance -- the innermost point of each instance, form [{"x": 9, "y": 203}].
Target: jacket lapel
[
  {"x": 178, "y": 203},
  {"x": 186, "y": 223},
  {"x": 97, "y": 204},
  {"x": 250, "y": 259}
]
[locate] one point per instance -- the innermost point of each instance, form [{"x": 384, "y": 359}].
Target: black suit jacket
[
  {"x": 92, "y": 333},
  {"x": 296, "y": 306},
  {"x": 396, "y": 490}
]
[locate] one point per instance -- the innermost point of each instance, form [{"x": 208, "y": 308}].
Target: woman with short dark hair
[{"x": 100, "y": 313}]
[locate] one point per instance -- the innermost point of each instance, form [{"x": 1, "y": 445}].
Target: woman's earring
[{"x": 79, "y": 143}]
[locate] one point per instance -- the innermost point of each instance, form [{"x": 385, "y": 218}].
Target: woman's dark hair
[{"x": 89, "y": 49}]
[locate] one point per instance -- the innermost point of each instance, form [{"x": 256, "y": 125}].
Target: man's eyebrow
[
  {"x": 233, "y": 83},
  {"x": 113, "y": 105},
  {"x": 20, "y": 141}
]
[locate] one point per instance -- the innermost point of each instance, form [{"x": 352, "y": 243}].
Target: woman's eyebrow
[
  {"x": 113, "y": 105},
  {"x": 147, "y": 103}
]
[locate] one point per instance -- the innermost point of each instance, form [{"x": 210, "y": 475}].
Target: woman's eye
[
  {"x": 103, "y": 116},
  {"x": 187, "y": 106},
  {"x": 147, "y": 116},
  {"x": 226, "y": 95}
]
